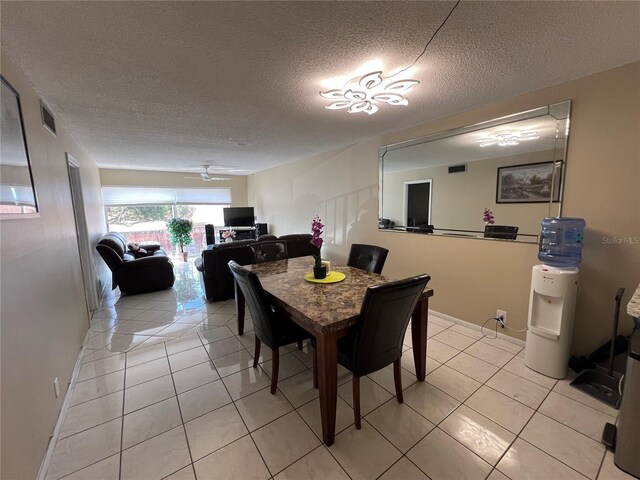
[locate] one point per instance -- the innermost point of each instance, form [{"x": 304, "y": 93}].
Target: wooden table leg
[
  {"x": 328, "y": 379},
  {"x": 419, "y": 337},
  {"x": 239, "y": 308}
]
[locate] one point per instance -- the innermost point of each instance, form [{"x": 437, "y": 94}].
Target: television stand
[{"x": 242, "y": 233}]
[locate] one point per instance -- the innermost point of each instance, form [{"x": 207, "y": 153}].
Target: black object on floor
[
  {"x": 609, "y": 436},
  {"x": 578, "y": 364},
  {"x": 598, "y": 384}
]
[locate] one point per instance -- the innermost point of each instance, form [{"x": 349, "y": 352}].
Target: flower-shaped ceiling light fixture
[
  {"x": 361, "y": 94},
  {"x": 507, "y": 138}
]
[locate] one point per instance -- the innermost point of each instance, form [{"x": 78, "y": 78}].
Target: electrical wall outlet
[
  {"x": 56, "y": 387},
  {"x": 503, "y": 315}
]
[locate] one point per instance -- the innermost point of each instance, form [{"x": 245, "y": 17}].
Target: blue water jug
[{"x": 561, "y": 242}]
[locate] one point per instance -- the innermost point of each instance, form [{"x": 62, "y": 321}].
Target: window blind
[{"x": 164, "y": 196}]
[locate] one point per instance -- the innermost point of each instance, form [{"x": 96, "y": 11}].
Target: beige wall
[
  {"x": 140, "y": 178},
  {"x": 43, "y": 310},
  {"x": 459, "y": 199},
  {"x": 472, "y": 278}
]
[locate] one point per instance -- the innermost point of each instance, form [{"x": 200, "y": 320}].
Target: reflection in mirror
[
  {"x": 17, "y": 194},
  {"x": 513, "y": 166}
]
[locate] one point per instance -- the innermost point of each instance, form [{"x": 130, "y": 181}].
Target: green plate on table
[{"x": 333, "y": 277}]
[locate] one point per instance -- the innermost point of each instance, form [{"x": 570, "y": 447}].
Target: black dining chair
[
  {"x": 271, "y": 325},
  {"x": 367, "y": 257},
  {"x": 376, "y": 339},
  {"x": 505, "y": 232},
  {"x": 269, "y": 251}
]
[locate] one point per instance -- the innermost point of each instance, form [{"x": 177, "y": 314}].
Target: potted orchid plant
[
  {"x": 319, "y": 270},
  {"x": 487, "y": 217},
  {"x": 228, "y": 235}
]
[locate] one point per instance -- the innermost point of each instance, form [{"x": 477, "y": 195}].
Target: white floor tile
[
  {"x": 233, "y": 363},
  {"x": 223, "y": 347},
  {"x": 453, "y": 383},
  {"x": 92, "y": 413},
  {"x": 428, "y": 401},
  {"x": 147, "y": 393},
  {"x": 262, "y": 407},
  {"x": 483, "y": 437},
  {"x": 85, "y": 448},
  {"x": 440, "y": 456},
  {"x": 518, "y": 367},
  {"x": 188, "y": 358},
  {"x": 385, "y": 379},
  {"x": 310, "y": 413},
  {"x": 195, "y": 376},
  {"x": 526, "y": 462},
  {"x": 150, "y": 421},
  {"x": 518, "y": 388},
  {"x": 317, "y": 465},
  {"x": 100, "y": 367},
  {"x": 214, "y": 430},
  {"x": 97, "y": 387},
  {"x": 454, "y": 339},
  {"x": 239, "y": 461},
  {"x": 147, "y": 371},
  {"x": 284, "y": 441},
  {"x": 182, "y": 344},
  {"x": 472, "y": 367},
  {"x": 403, "y": 469},
  {"x": 203, "y": 399},
  {"x": 364, "y": 453},
  {"x": 503, "y": 410},
  {"x": 107, "y": 469},
  {"x": 400, "y": 424},
  {"x": 299, "y": 388},
  {"x": 372, "y": 395},
  {"x": 489, "y": 354},
  {"x": 157, "y": 457},
  {"x": 609, "y": 471},
  {"x": 440, "y": 351},
  {"x": 145, "y": 354},
  {"x": 567, "y": 445},
  {"x": 574, "y": 414}
]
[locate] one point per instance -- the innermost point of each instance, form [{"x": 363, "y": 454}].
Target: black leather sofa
[
  {"x": 215, "y": 276},
  {"x": 134, "y": 274}
]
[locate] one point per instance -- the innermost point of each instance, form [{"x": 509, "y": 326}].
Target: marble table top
[
  {"x": 633, "y": 307},
  {"x": 324, "y": 307}
]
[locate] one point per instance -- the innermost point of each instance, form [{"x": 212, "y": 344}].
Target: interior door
[{"x": 417, "y": 203}]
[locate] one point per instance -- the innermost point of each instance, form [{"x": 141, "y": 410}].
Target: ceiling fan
[{"x": 217, "y": 169}]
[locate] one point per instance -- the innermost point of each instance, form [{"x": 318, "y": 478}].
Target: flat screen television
[{"x": 239, "y": 217}]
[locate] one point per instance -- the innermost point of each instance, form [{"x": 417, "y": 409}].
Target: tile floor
[{"x": 166, "y": 390}]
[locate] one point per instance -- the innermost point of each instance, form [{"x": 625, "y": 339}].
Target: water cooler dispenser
[
  {"x": 551, "y": 307},
  {"x": 552, "y": 300}
]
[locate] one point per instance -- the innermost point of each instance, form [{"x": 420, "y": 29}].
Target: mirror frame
[
  {"x": 560, "y": 111},
  {"x": 36, "y": 214}
]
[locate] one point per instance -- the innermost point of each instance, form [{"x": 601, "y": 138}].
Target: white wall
[
  {"x": 472, "y": 278},
  {"x": 42, "y": 307}
]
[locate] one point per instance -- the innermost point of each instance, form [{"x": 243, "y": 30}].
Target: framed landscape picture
[{"x": 530, "y": 183}]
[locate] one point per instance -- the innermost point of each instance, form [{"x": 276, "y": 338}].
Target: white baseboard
[
  {"x": 473, "y": 326},
  {"x": 44, "y": 466}
]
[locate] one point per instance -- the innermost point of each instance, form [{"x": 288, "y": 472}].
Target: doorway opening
[{"x": 417, "y": 204}]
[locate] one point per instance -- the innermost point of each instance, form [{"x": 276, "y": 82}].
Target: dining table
[{"x": 327, "y": 311}]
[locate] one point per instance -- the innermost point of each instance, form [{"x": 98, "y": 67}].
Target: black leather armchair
[{"x": 135, "y": 275}]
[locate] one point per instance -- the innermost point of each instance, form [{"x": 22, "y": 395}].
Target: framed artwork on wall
[
  {"x": 17, "y": 191},
  {"x": 530, "y": 183}
]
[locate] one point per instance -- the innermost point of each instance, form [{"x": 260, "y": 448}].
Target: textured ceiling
[{"x": 169, "y": 85}]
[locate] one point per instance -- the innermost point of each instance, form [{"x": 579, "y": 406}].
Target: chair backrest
[
  {"x": 384, "y": 316},
  {"x": 505, "y": 232},
  {"x": 367, "y": 257},
  {"x": 112, "y": 247},
  {"x": 268, "y": 251},
  {"x": 257, "y": 302},
  {"x": 299, "y": 245},
  {"x": 267, "y": 238}
]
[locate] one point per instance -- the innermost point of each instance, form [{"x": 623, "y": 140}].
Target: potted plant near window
[{"x": 180, "y": 233}]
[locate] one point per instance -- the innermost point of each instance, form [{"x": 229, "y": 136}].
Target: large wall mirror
[
  {"x": 17, "y": 193},
  {"x": 512, "y": 166}
]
